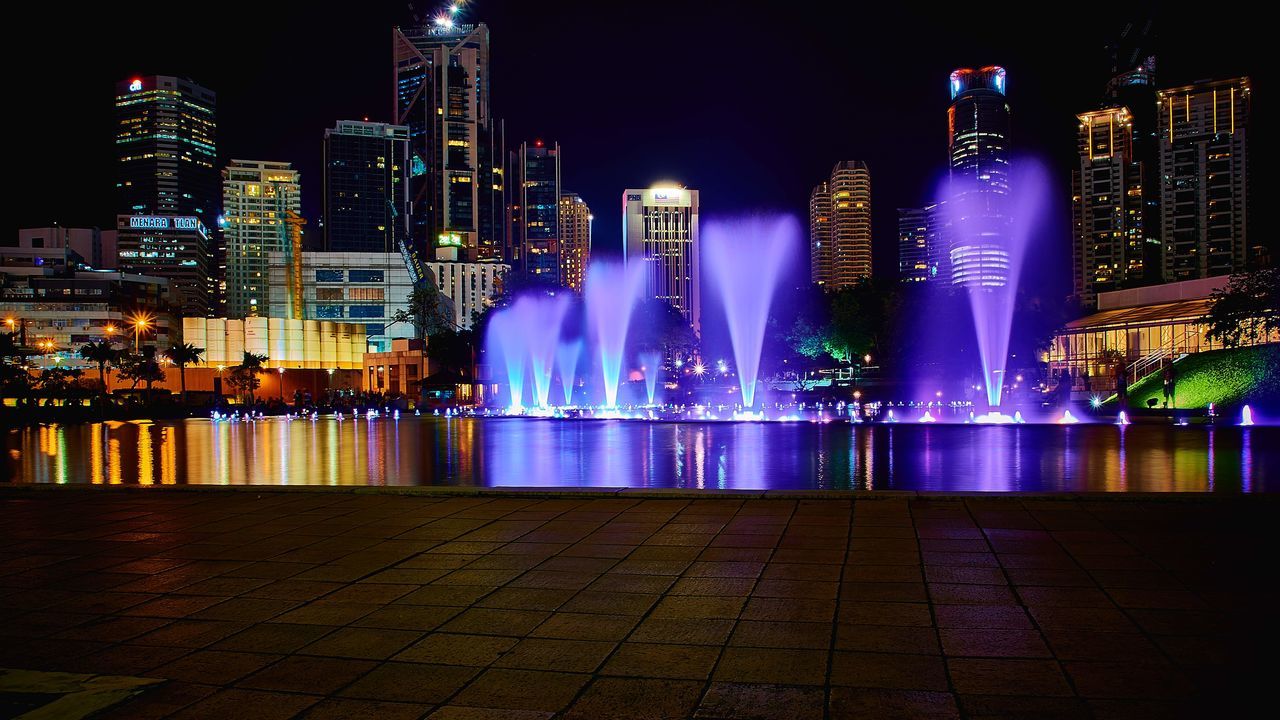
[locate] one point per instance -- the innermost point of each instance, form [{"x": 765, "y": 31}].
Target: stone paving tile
[
  {"x": 636, "y": 699},
  {"x": 331, "y": 605},
  {"x": 755, "y": 701}
]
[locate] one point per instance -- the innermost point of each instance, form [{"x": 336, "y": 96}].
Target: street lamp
[
  {"x": 139, "y": 325},
  {"x": 281, "y": 371}
]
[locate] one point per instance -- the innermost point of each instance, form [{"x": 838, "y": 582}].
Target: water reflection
[{"x": 516, "y": 452}]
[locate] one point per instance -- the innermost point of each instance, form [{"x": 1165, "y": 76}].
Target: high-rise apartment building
[
  {"x": 456, "y": 200},
  {"x": 1113, "y": 247},
  {"x": 1204, "y": 173},
  {"x": 978, "y": 147},
  {"x": 366, "y": 187},
  {"x": 840, "y": 226},
  {"x": 261, "y": 204},
  {"x": 913, "y": 244},
  {"x": 166, "y": 150},
  {"x": 575, "y": 240},
  {"x": 660, "y": 230},
  {"x": 535, "y": 211},
  {"x": 820, "y": 245}
]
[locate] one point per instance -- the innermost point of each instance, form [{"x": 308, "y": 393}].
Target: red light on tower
[{"x": 537, "y": 143}]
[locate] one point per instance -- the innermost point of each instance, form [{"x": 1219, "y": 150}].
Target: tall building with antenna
[{"x": 441, "y": 79}]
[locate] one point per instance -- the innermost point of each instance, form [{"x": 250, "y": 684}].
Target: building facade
[
  {"x": 366, "y": 187},
  {"x": 978, "y": 150},
  {"x": 176, "y": 247},
  {"x": 660, "y": 230},
  {"x": 259, "y": 197},
  {"x": 1140, "y": 331},
  {"x": 96, "y": 246},
  {"x": 68, "y": 307},
  {"x": 535, "y": 212},
  {"x": 913, "y": 245},
  {"x": 840, "y": 226},
  {"x": 287, "y": 343},
  {"x": 353, "y": 287},
  {"x": 1113, "y": 246},
  {"x": 820, "y": 255},
  {"x": 456, "y": 187},
  {"x": 166, "y": 149},
  {"x": 575, "y": 240},
  {"x": 468, "y": 288},
  {"x": 1204, "y": 171}
]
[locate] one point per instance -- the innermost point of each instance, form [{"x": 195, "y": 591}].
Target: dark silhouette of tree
[
  {"x": 183, "y": 354},
  {"x": 102, "y": 353},
  {"x": 244, "y": 377},
  {"x": 1247, "y": 307}
]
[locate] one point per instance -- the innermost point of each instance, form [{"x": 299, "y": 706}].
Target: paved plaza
[{"x": 280, "y": 604}]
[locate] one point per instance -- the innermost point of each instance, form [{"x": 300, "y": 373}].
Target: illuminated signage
[
  {"x": 161, "y": 222},
  {"x": 666, "y": 195},
  {"x": 449, "y": 240},
  {"x": 135, "y": 86}
]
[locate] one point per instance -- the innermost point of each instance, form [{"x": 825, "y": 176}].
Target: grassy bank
[{"x": 1227, "y": 378}]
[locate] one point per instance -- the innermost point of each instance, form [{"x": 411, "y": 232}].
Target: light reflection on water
[{"x": 516, "y": 452}]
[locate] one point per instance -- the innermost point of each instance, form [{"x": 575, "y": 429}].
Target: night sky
[{"x": 750, "y": 103}]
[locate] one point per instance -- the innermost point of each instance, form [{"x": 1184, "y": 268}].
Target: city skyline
[{"x": 907, "y": 163}]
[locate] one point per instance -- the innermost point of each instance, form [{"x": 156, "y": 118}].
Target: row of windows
[
  {"x": 355, "y": 276},
  {"x": 334, "y": 312}
]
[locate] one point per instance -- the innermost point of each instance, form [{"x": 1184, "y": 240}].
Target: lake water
[{"x": 515, "y": 452}]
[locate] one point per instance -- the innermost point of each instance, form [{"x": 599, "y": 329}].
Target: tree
[
  {"x": 141, "y": 367},
  {"x": 244, "y": 377},
  {"x": 858, "y": 320},
  {"x": 451, "y": 349},
  {"x": 427, "y": 311},
  {"x": 104, "y": 353},
  {"x": 658, "y": 325},
  {"x": 59, "y": 383},
  {"x": 183, "y": 354},
  {"x": 1247, "y": 307},
  {"x": 807, "y": 339}
]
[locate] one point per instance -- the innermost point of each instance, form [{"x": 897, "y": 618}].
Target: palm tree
[
  {"x": 245, "y": 375},
  {"x": 103, "y": 353},
  {"x": 184, "y": 354}
]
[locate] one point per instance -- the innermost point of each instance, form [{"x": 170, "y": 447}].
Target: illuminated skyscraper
[
  {"x": 840, "y": 244},
  {"x": 261, "y": 202},
  {"x": 660, "y": 229},
  {"x": 366, "y": 187},
  {"x": 535, "y": 211},
  {"x": 1204, "y": 175},
  {"x": 456, "y": 202},
  {"x": 913, "y": 244},
  {"x": 575, "y": 240},
  {"x": 1112, "y": 248},
  {"x": 820, "y": 257},
  {"x": 978, "y": 145},
  {"x": 167, "y": 172}
]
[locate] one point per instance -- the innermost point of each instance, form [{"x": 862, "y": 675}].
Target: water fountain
[
  {"x": 611, "y": 294},
  {"x": 651, "y": 366},
  {"x": 989, "y": 243},
  {"x": 567, "y": 364},
  {"x": 744, "y": 260},
  {"x": 1246, "y": 416}
]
